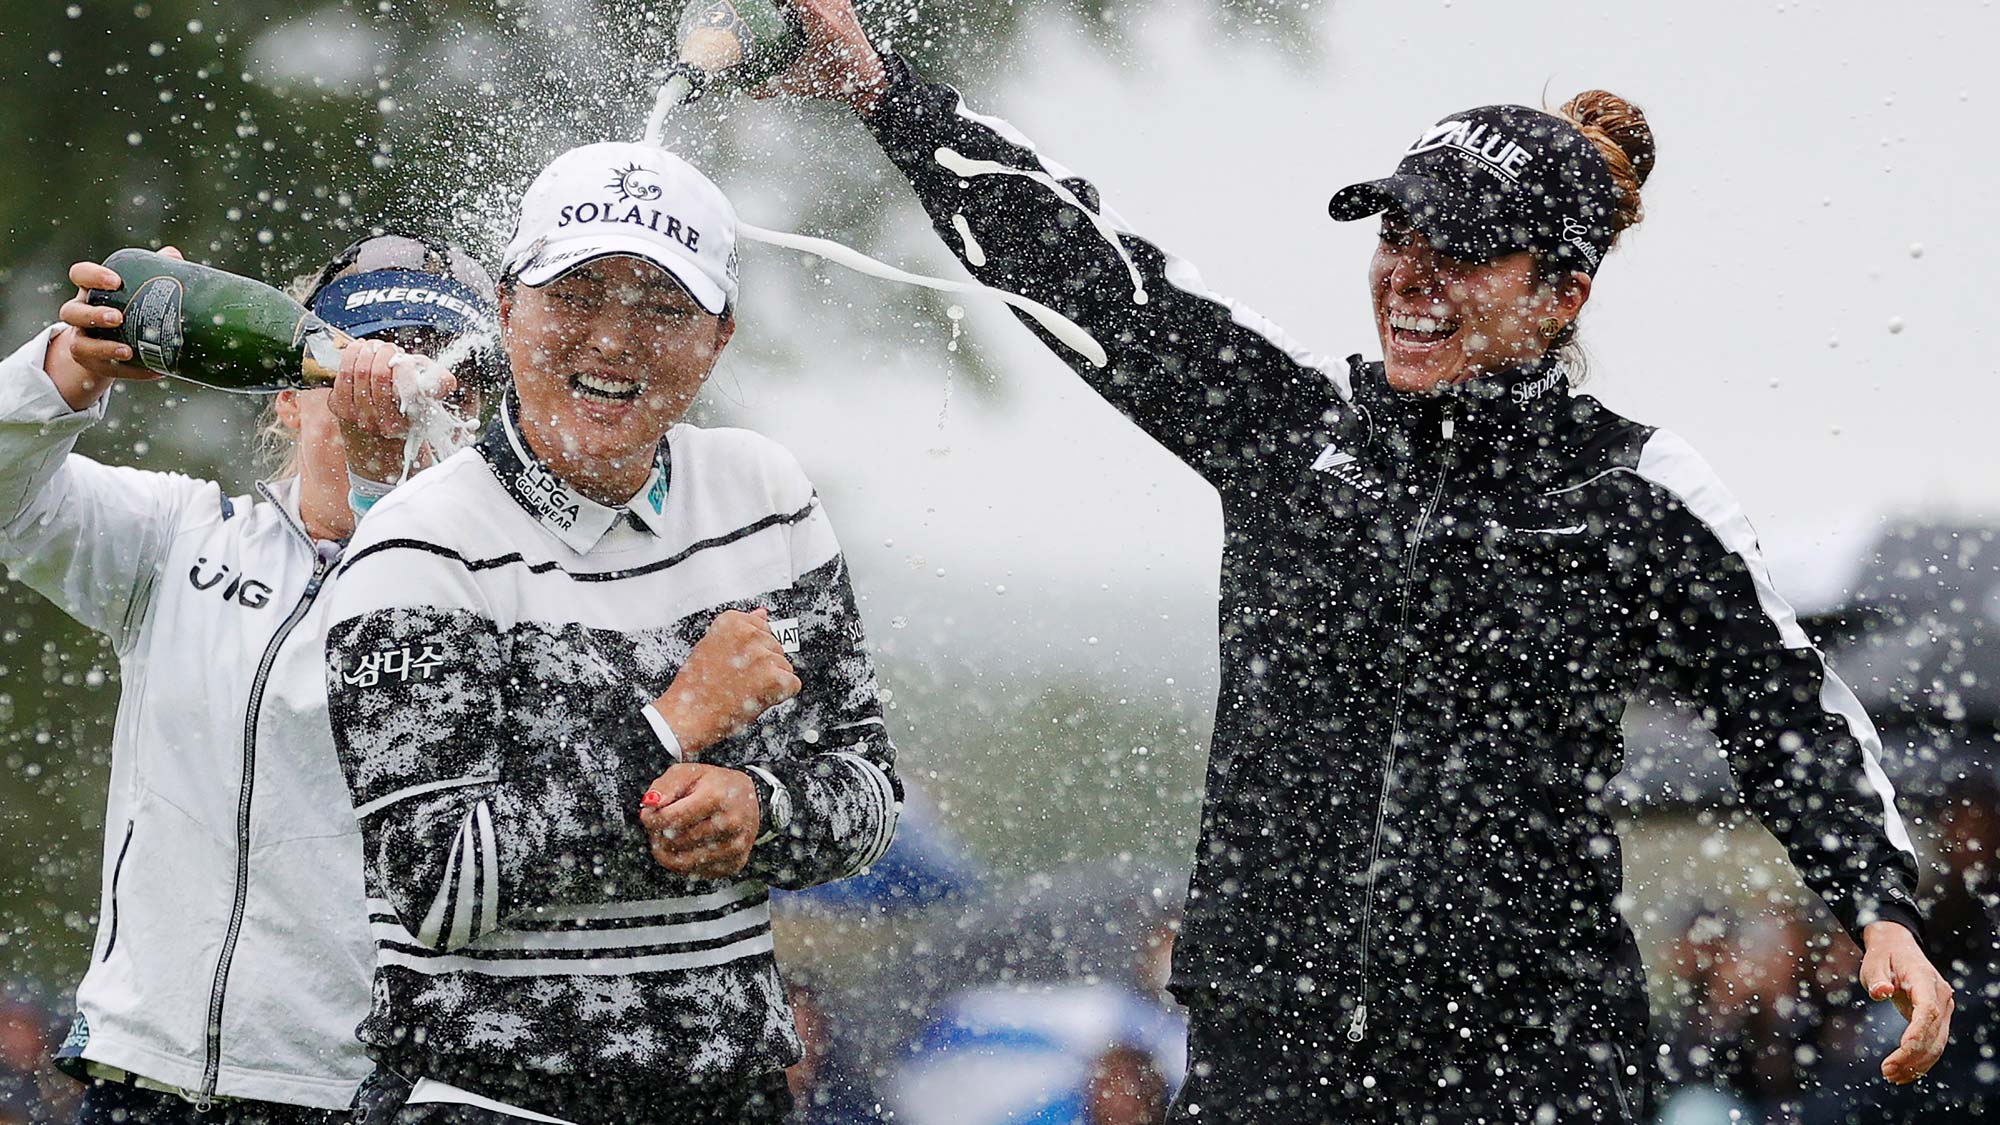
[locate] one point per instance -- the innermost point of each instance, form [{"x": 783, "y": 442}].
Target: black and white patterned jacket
[{"x": 493, "y": 646}]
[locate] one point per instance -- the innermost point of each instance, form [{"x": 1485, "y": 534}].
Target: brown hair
[{"x": 1619, "y": 130}]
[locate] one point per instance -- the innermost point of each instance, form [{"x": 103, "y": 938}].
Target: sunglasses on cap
[
  {"x": 419, "y": 293},
  {"x": 396, "y": 251}
]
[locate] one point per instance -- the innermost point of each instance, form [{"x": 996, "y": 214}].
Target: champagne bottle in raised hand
[
  {"x": 741, "y": 42},
  {"x": 216, "y": 328},
  {"x": 736, "y": 43}
]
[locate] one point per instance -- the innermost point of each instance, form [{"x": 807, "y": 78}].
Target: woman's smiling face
[
  {"x": 606, "y": 359},
  {"x": 1443, "y": 321}
]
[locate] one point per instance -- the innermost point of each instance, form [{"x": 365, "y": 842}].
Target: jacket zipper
[
  {"x": 1357, "y": 1027},
  {"x": 1617, "y": 1068},
  {"x": 212, "y": 1069},
  {"x": 117, "y": 870}
]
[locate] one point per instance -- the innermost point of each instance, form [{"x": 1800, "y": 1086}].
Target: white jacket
[{"x": 232, "y": 954}]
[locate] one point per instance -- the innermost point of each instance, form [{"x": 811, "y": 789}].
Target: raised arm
[
  {"x": 822, "y": 766},
  {"x": 1804, "y": 754},
  {"x": 1212, "y": 381},
  {"x": 830, "y": 765},
  {"x": 88, "y": 537}
]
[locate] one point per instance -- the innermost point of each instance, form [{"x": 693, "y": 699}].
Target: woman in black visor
[
  {"x": 1444, "y": 575},
  {"x": 232, "y": 957}
]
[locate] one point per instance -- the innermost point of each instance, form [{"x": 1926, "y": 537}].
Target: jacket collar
[
  {"x": 570, "y": 516},
  {"x": 284, "y": 496},
  {"x": 1499, "y": 424}
]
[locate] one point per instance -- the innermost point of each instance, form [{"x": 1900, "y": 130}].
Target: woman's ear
[
  {"x": 725, "y": 327},
  {"x": 288, "y": 410},
  {"x": 1573, "y": 294}
]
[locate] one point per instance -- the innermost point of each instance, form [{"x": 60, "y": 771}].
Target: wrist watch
[{"x": 774, "y": 802}]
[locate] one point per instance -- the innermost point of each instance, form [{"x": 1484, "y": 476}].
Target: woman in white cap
[
  {"x": 231, "y": 960},
  {"x": 597, "y": 684},
  {"x": 1444, "y": 574}
]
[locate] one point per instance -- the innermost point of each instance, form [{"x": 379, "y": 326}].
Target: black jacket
[{"x": 1433, "y": 610}]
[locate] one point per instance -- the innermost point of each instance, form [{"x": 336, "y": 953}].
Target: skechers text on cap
[
  {"x": 363, "y": 304},
  {"x": 615, "y": 198},
  {"x": 1497, "y": 179}
]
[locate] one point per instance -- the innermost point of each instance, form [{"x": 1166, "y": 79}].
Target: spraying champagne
[
  {"x": 737, "y": 43},
  {"x": 746, "y": 42},
  {"x": 216, "y": 328}
]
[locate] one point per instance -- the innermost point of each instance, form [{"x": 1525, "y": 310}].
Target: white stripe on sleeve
[
  {"x": 884, "y": 810},
  {"x": 466, "y": 905},
  {"x": 489, "y": 897},
  {"x": 363, "y": 812},
  {"x": 1669, "y": 462},
  {"x": 432, "y": 928}
]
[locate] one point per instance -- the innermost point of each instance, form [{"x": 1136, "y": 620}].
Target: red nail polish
[{"x": 652, "y": 799}]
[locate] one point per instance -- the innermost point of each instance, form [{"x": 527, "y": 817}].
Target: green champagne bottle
[
  {"x": 207, "y": 326},
  {"x": 735, "y": 43},
  {"x": 740, "y": 42}
]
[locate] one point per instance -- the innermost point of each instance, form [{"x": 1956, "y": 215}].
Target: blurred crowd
[
  {"x": 1760, "y": 1020},
  {"x": 1768, "y": 1023}
]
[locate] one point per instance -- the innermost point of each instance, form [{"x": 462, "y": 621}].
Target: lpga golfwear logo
[
  {"x": 550, "y": 500},
  {"x": 1479, "y": 141}
]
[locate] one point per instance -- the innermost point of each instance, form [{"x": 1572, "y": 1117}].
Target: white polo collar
[{"x": 576, "y": 519}]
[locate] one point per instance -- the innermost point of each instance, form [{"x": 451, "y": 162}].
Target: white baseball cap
[{"x": 617, "y": 197}]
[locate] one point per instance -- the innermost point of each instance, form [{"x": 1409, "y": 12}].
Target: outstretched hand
[
  {"x": 1894, "y": 968},
  {"x": 839, "y": 64}
]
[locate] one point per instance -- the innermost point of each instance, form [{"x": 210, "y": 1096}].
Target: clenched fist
[{"x": 736, "y": 672}]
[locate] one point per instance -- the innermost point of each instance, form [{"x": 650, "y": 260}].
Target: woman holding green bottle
[{"x": 232, "y": 957}]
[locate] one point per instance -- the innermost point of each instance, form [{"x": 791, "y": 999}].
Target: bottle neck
[{"x": 319, "y": 362}]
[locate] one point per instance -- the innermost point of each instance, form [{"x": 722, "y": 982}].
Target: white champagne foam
[
  {"x": 420, "y": 389},
  {"x": 672, "y": 94},
  {"x": 1065, "y": 330},
  {"x": 965, "y": 168}
]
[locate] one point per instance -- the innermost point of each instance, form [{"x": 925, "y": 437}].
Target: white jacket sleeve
[{"x": 88, "y": 537}]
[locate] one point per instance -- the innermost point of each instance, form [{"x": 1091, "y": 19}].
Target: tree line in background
[{"x": 260, "y": 137}]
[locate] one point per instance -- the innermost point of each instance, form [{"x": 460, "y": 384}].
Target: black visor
[{"x": 1495, "y": 180}]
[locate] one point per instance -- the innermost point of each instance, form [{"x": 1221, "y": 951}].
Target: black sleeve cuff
[{"x": 1902, "y": 915}]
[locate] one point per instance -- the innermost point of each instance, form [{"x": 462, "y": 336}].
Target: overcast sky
[{"x": 1808, "y": 301}]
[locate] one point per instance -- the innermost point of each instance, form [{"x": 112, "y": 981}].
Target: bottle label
[{"x": 153, "y": 323}]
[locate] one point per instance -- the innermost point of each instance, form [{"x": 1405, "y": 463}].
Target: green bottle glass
[
  {"x": 739, "y": 42},
  {"x": 215, "y": 328}
]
